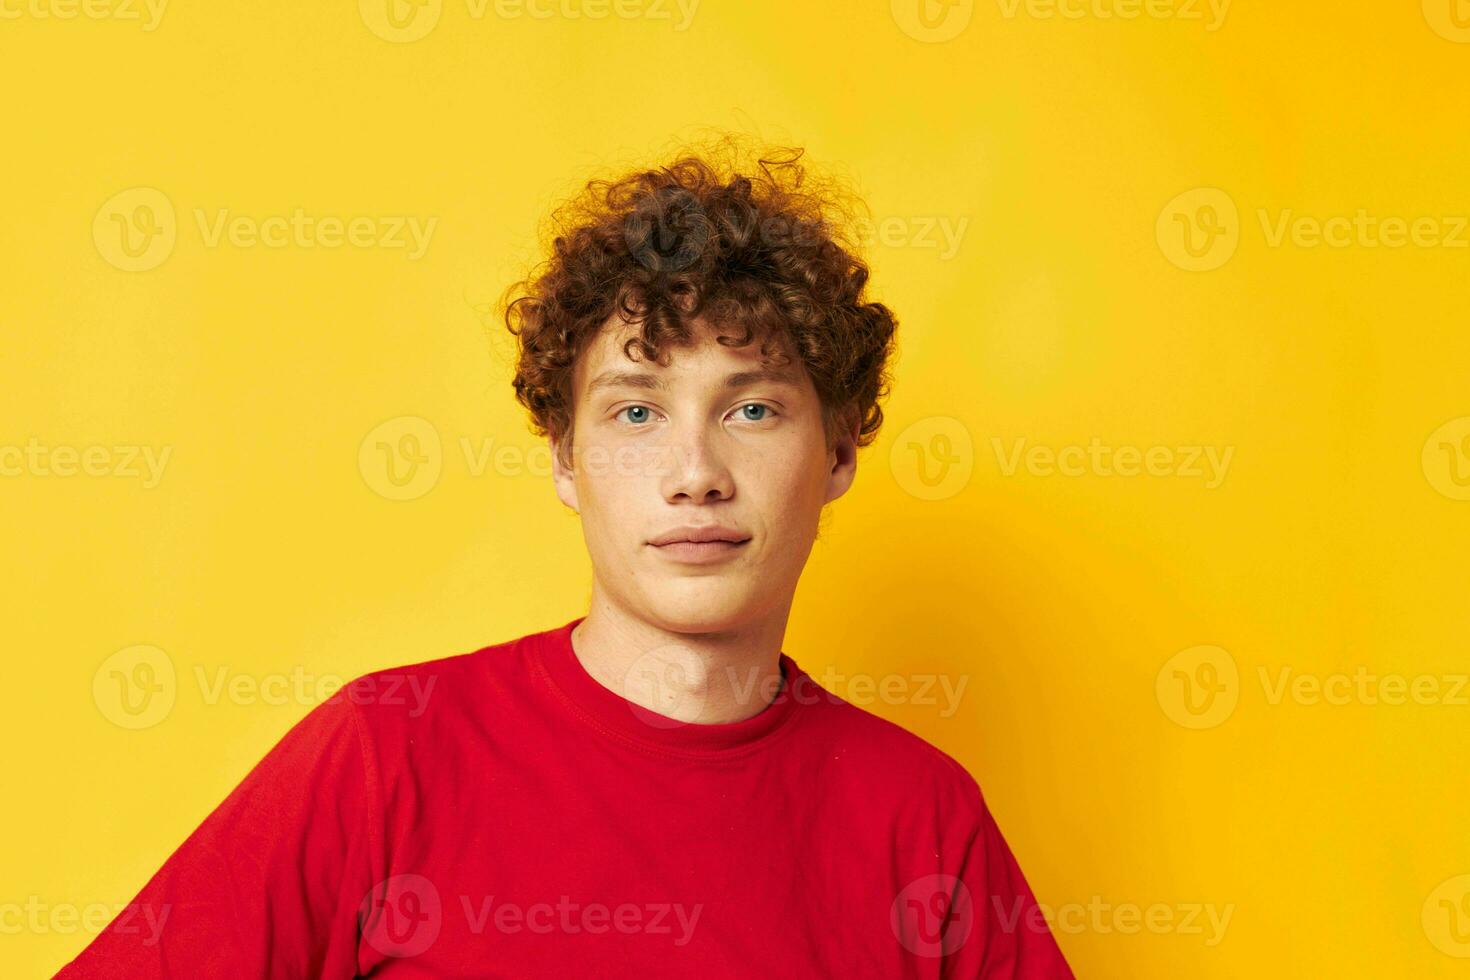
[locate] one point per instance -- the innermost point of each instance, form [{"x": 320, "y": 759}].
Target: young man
[{"x": 652, "y": 789}]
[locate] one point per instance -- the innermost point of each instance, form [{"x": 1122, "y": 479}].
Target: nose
[{"x": 696, "y": 468}]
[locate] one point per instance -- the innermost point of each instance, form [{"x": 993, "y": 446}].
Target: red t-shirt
[{"x": 503, "y": 814}]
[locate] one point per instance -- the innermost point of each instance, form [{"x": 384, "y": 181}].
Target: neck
[{"x": 706, "y": 678}]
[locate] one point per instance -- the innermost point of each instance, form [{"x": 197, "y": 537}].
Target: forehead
[{"x": 604, "y": 364}]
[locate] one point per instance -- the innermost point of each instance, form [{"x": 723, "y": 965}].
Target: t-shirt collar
[{"x": 647, "y": 729}]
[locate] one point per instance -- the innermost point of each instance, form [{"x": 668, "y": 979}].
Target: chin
[{"x": 714, "y": 608}]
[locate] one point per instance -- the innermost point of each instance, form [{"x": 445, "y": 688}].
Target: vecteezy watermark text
[
  {"x": 1096, "y": 915},
  {"x": 137, "y": 229},
  {"x": 136, "y": 687},
  {"x": 38, "y": 916},
  {"x": 403, "y": 916},
  {"x": 36, "y": 459},
  {"x": 302, "y": 230},
  {"x": 149, "y": 13},
  {"x": 1210, "y": 463}
]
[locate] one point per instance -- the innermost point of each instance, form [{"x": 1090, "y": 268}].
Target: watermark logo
[
  {"x": 933, "y": 916},
  {"x": 136, "y": 687},
  {"x": 933, "y": 21},
  {"x": 1450, "y": 19},
  {"x": 667, "y": 232},
  {"x": 401, "y": 916},
  {"x": 1199, "y": 230},
  {"x": 406, "y": 21},
  {"x": 404, "y": 916},
  {"x": 402, "y": 458},
  {"x": 1446, "y": 916},
  {"x": 400, "y": 21},
  {"x": 1446, "y": 459},
  {"x": 933, "y": 458},
  {"x": 1198, "y": 687},
  {"x": 665, "y": 678},
  {"x": 136, "y": 229}
]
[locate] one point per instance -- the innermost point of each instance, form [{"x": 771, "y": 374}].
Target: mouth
[{"x": 700, "y": 552}]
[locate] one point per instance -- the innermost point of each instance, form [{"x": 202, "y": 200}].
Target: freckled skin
[{"x": 697, "y": 452}]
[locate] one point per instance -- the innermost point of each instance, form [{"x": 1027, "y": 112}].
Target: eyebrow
[{"x": 643, "y": 379}]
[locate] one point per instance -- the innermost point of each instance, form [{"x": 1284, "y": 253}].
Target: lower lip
[{"x": 699, "y": 552}]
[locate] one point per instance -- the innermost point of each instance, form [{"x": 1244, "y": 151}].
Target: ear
[
  {"x": 563, "y": 477},
  {"x": 842, "y": 458}
]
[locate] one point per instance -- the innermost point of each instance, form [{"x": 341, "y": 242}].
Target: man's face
[{"x": 714, "y": 441}]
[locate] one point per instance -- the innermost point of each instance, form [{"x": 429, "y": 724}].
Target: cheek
[
  {"x": 788, "y": 495},
  {"x": 613, "y": 503},
  {"x": 610, "y": 465}
]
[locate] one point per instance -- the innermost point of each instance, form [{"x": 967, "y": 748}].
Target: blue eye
[
  {"x": 639, "y": 414},
  {"x": 637, "y": 408}
]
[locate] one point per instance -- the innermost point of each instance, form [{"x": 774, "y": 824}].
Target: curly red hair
[{"x": 758, "y": 250}]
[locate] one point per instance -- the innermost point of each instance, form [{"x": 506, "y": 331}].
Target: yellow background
[{"x": 1333, "y": 833}]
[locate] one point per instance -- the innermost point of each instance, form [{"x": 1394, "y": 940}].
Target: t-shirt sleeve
[
  {"x": 269, "y": 884},
  {"x": 999, "y": 931}
]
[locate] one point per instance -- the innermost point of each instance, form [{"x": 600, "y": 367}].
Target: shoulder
[
  {"x": 444, "y": 689},
  {"x": 890, "y": 759}
]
